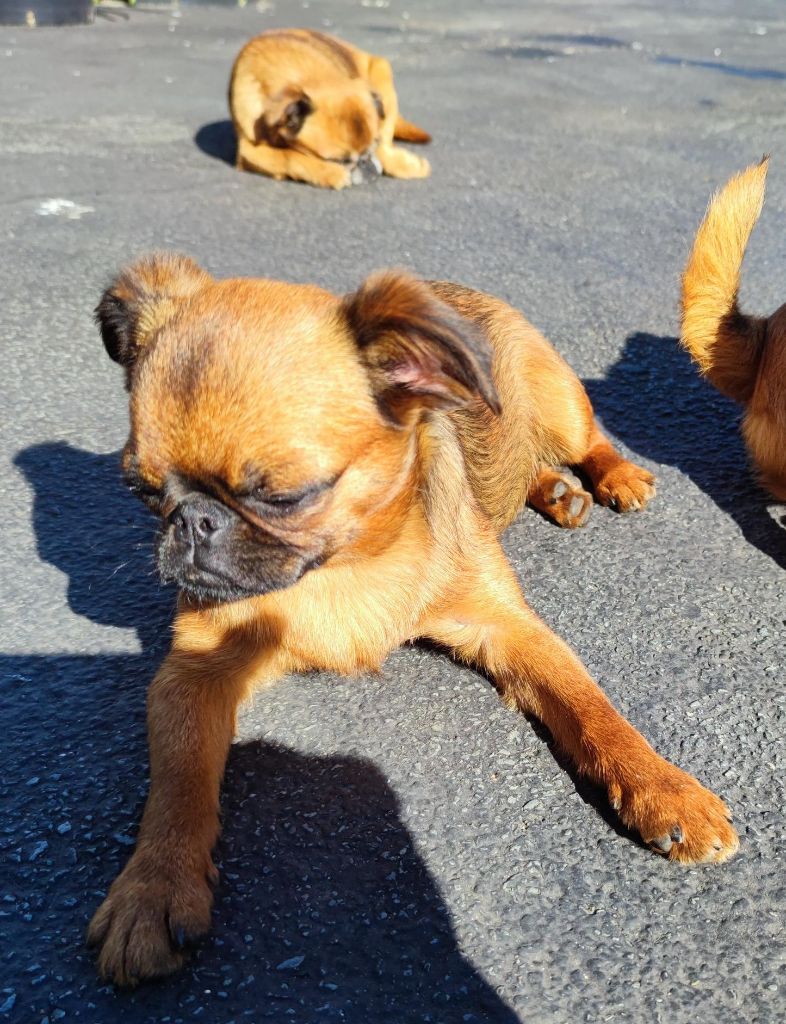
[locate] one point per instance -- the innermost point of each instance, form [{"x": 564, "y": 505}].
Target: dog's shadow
[
  {"x": 654, "y": 400},
  {"x": 217, "y": 139},
  {"x": 324, "y": 911}
]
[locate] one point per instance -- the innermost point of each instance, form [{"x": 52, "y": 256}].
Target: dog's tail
[
  {"x": 725, "y": 343},
  {"x": 406, "y": 131}
]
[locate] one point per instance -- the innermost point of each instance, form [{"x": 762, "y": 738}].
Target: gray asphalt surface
[{"x": 401, "y": 848}]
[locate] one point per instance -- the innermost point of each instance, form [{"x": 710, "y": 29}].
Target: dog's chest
[{"x": 346, "y": 622}]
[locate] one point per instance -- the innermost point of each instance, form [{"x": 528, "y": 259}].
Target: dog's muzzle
[{"x": 368, "y": 168}]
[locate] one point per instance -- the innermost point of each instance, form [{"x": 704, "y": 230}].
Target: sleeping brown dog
[
  {"x": 332, "y": 474},
  {"x": 311, "y": 107},
  {"x": 744, "y": 356}
]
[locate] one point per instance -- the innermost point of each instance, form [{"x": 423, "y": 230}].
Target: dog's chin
[
  {"x": 207, "y": 588},
  {"x": 215, "y": 592}
]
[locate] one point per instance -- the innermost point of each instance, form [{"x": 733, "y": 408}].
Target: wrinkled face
[
  {"x": 341, "y": 122},
  {"x": 274, "y": 427},
  {"x": 257, "y": 440}
]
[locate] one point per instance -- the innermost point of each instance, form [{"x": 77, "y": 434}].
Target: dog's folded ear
[
  {"x": 417, "y": 349},
  {"x": 141, "y": 299},
  {"x": 284, "y": 116}
]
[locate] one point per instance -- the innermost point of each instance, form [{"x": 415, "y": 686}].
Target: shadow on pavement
[
  {"x": 218, "y": 140},
  {"x": 654, "y": 400},
  {"x": 324, "y": 911}
]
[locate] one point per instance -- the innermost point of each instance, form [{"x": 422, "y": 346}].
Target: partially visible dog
[
  {"x": 743, "y": 356},
  {"x": 311, "y": 107},
  {"x": 331, "y": 475}
]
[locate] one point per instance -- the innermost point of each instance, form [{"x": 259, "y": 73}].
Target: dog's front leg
[
  {"x": 289, "y": 163},
  {"x": 162, "y": 899},
  {"x": 488, "y": 623}
]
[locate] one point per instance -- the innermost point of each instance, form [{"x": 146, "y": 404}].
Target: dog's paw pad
[{"x": 566, "y": 502}]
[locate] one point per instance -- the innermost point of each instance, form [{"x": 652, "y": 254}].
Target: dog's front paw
[
  {"x": 415, "y": 166},
  {"x": 335, "y": 176},
  {"x": 675, "y": 814},
  {"x": 150, "y": 914},
  {"x": 400, "y": 163},
  {"x": 625, "y": 487}
]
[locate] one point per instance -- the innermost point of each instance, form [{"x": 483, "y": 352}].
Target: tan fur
[
  {"x": 743, "y": 356},
  {"x": 434, "y": 409},
  {"x": 342, "y": 86}
]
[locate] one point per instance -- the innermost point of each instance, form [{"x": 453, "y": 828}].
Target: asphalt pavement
[{"x": 401, "y": 848}]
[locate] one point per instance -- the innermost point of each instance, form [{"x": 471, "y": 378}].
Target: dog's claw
[{"x": 663, "y": 843}]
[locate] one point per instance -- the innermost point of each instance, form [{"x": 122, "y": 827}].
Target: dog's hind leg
[
  {"x": 396, "y": 162},
  {"x": 573, "y": 438},
  {"x": 616, "y": 482},
  {"x": 558, "y": 494}
]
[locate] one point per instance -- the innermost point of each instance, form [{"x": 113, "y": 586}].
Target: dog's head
[
  {"x": 274, "y": 426},
  {"x": 340, "y": 121}
]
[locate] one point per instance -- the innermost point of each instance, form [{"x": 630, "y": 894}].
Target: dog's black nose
[
  {"x": 368, "y": 168},
  {"x": 199, "y": 521}
]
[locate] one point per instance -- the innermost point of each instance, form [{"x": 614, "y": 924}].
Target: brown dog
[
  {"x": 312, "y": 107},
  {"x": 744, "y": 356},
  {"x": 331, "y": 476}
]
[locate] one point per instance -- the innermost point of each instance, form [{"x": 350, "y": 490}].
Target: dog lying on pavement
[
  {"x": 331, "y": 476},
  {"x": 311, "y": 107}
]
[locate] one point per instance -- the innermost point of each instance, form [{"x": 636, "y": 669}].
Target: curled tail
[
  {"x": 406, "y": 131},
  {"x": 725, "y": 343}
]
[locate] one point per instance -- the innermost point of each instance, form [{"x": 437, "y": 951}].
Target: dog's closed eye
[{"x": 281, "y": 503}]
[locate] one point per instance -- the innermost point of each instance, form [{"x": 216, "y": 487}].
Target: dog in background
[
  {"x": 743, "y": 356},
  {"x": 331, "y": 476},
  {"x": 311, "y": 107}
]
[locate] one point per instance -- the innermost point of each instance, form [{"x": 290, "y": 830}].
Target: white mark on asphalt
[{"x": 63, "y": 208}]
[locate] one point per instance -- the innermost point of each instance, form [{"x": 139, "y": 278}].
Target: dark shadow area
[
  {"x": 523, "y": 52},
  {"x": 324, "y": 911},
  {"x": 654, "y": 400},
  {"x": 735, "y": 70},
  {"x": 218, "y": 140},
  {"x": 583, "y": 39},
  {"x": 89, "y": 526}
]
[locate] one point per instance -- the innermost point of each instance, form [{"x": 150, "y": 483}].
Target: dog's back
[{"x": 278, "y": 57}]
